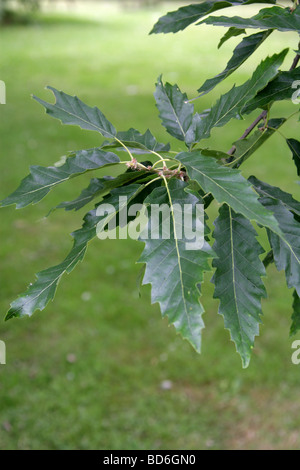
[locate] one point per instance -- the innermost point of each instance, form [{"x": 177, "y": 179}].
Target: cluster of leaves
[{"x": 196, "y": 175}]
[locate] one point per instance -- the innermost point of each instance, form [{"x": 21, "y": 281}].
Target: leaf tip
[
  {"x": 12, "y": 313},
  {"x": 245, "y": 363}
]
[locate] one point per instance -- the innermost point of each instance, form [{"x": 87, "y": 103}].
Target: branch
[
  {"x": 262, "y": 115},
  {"x": 296, "y": 61}
]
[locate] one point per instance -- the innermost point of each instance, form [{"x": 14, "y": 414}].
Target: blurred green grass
[{"x": 87, "y": 373}]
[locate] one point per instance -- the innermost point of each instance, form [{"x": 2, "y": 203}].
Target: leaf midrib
[
  {"x": 237, "y": 103},
  {"x": 233, "y": 269},
  {"x": 97, "y": 127},
  {"x": 51, "y": 283},
  {"x": 175, "y": 114},
  {"x": 178, "y": 256},
  {"x": 230, "y": 194}
]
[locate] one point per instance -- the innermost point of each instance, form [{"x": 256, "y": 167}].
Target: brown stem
[
  {"x": 262, "y": 115},
  {"x": 296, "y": 61},
  {"x": 249, "y": 130}
]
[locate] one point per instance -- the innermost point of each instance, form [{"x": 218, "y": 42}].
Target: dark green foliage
[
  {"x": 197, "y": 175},
  {"x": 294, "y": 145},
  {"x": 282, "y": 19},
  {"x": 295, "y": 326},
  {"x": 184, "y": 16},
  {"x": 240, "y": 54},
  {"x": 238, "y": 278}
]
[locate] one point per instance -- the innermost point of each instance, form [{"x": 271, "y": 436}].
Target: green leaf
[
  {"x": 279, "y": 89},
  {"x": 214, "y": 153},
  {"x": 281, "y": 19},
  {"x": 184, "y": 16},
  {"x": 232, "y": 32},
  {"x": 268, "y": 259},
  {"x": 41, "y": 180},
  {"x": 295, "y": 326},
  {"x": 175, "y": 111},
  {"x": 266, "y": 190},
  {"x": 240, "y": 54},
  {"x": 294, "y": 145},
  {"x": 174, "y": 271},
  {"x": 178, "y": 20},
  {"x": 96, "y": 187},
  {"x": 286, "y": 249},
  {"x": 43, "y": 290},
  {"x": 238, "y": 279},
  {"x": 231, "y": 104},
  {"x": 101, "y": 186},
  {"x": 227, "y": 185},
  {"x": 139, "y": 279},
  {"x": 246, "y": 147},
  {"x": 137, "y": 143},
  {"x": 71, "y": 110}
]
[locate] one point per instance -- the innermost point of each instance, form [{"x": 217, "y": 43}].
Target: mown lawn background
[{"x": 90, "y": 371}]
